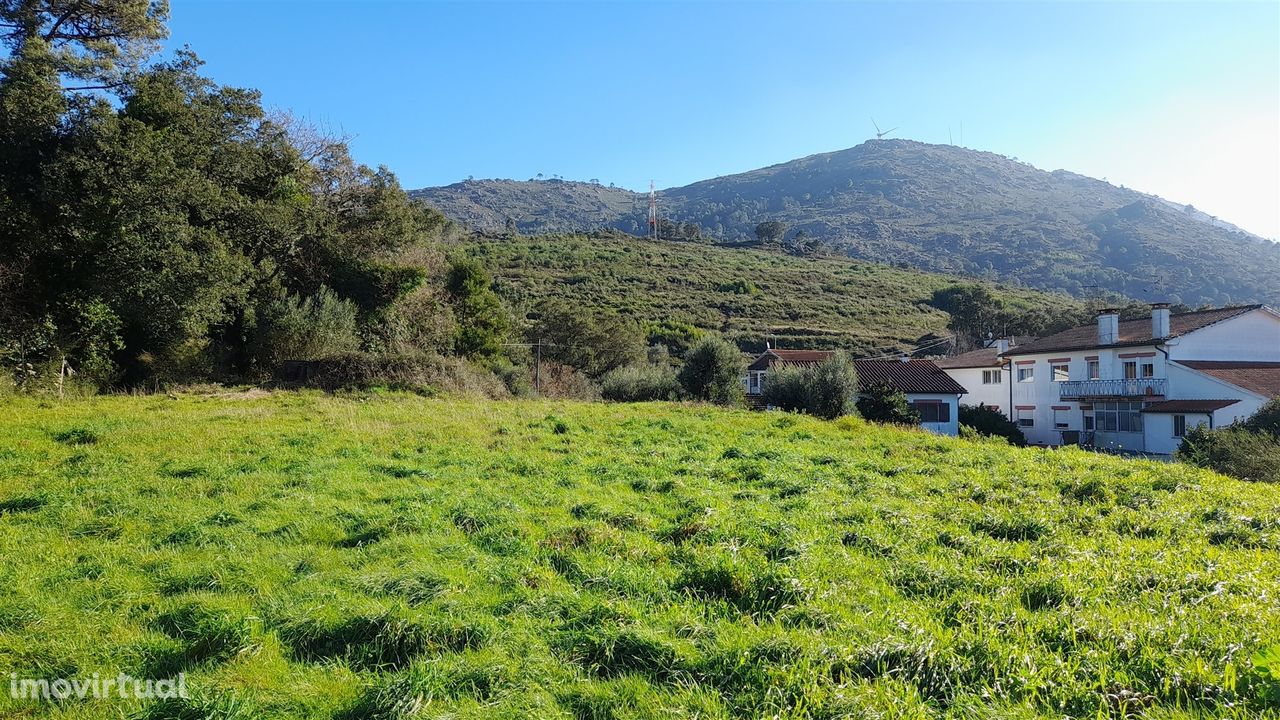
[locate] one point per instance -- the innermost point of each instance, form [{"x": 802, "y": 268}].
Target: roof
[
  {"x": 1132, "y": 332},
  {"x": 983, "y": 357},
  {"x": 912, "y": 376},
  {"x": 1259, "y": 377},
  {"x": 1188, "y": 406},
  {"x": 790, "y": 357}
]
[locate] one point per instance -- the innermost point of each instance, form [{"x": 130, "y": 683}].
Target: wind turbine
[{"x": 881, "y": 133}]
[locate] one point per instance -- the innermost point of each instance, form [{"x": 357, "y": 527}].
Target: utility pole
[{"x": 537, "y": 367}]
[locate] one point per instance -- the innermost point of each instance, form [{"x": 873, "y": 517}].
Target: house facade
[
  {"x": 930, "y": 391},
  {"x": 1139, "y": 385},
  {"x": 983, "y": 373}
]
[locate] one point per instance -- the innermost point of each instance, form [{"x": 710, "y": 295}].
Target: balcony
[{"x": 1086, "y": 389}]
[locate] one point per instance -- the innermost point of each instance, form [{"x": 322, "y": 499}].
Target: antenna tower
[{"x": 653, "y": 212}]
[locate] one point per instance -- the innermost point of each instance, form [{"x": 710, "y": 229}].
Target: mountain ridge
[{"x": 935, "y": 207}]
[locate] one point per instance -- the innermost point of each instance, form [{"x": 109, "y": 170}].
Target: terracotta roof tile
[
  {"x": 983, "y": 357},
  {"x": 1132, "y": 332},
  {"x": 1260, "y": 377}
]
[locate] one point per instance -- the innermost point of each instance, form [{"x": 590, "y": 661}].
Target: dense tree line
[{"x": 155, "y": 224}]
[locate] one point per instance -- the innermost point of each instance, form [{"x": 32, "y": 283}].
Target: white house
[
  {"x": 1138, "y": 385},
  {"x": 983, "y": 372},
  {"x": 929, "y": 390}
]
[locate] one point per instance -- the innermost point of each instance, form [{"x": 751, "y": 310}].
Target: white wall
[
  {"x": 948, "y": 428},
  {"x": 979, "y": 394},
  {"x": 1158, "y": 431},
  {"x": 1254, "y": 336}
]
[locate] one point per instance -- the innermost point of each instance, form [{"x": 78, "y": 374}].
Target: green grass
[
  {"x": 748, "y": 295},
  {"x": 387, "y": 556}
]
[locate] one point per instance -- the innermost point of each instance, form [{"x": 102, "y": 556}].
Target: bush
[
  {"x": 713, "y": 371},
  {"x": 826, "y": 390},
  {"x": 882, "y": 403},
  {"x": 1266, "y": 420},
  {"x": 304, "y": 328},
  {"x": 1233, "y": 451},
  {"x": 991, "y": 423},
  {"x": 640, "y": 383},
  {"x": 417, "y": 372}
]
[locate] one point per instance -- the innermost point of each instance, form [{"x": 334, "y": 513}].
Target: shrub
[
  {"x": 991, "y": 423},
  {"x": 639, "y": 383},
  {"x": 304, "y": 328},
  {"x": 883, "y": 403},
  {"x": 418, "y": 372},
  {"x": 1233, "y": 451},
  {"x": 1266, "y": 420},
  {"x": 713, "y": 371}
]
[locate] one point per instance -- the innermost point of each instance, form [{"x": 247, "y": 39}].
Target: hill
[
  {"x": 304, "y": 556},
  {"x": 936, "y": 207},
  {"x": 749, "y": 295}
]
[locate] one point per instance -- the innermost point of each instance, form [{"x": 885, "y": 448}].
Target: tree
[
  {"x": 827, "y": 389},
  {"x": 832, "y": 386},
  {"x": 85, "y": 40},
  {"x": 992, "y": 423},
  {"x": 770, "y": 232},
  {"x": 881, "y": 402},
  {"x": 784, "y": 388},
  {"x": 592, "y": 341},
  {"x": 713, "y": 370},
  {"x": 482, "y": 320}
]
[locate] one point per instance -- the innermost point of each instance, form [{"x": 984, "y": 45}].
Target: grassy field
[
  {"x": 388, "y": 556},
  {"x": 748, "y": 295}
]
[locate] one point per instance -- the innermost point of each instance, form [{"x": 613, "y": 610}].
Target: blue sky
[{"x": 1178, "y": 99}]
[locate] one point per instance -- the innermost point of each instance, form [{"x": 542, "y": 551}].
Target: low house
[
  {"x": 1139, "y": 385},
  {"x": 931, "y": 392}
]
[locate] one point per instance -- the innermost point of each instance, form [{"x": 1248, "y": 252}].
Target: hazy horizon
[{"x": 1179, "y": 100}]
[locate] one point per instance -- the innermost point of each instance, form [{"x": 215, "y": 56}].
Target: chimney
[
  {"x": 1108, "y": 326},
  {"x": 1002, "y": 346},
  {"x": 1159, "y": 320}
]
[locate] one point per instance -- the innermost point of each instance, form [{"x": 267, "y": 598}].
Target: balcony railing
[{"x": 1135, "y": 388}]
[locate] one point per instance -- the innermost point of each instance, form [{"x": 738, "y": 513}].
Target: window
[
  {"x": 1060, "y": 373},
  {"x": 1148, "y": 370},
  {"x": 990, "y": 377},
  {"x": 1088, "y": 423},
  {"x": 1130, "y": 370},
  {"x": 933, "y": 412},
  {"x": 1119, "y": 416},
  {"x": 1061, "y": 419},
  {"x": 1179, "y": 425},
  {"x": 1026, "y": 418},
  {"x": 1094, "y": 370},
  {"x": 1027, "y": 373}
]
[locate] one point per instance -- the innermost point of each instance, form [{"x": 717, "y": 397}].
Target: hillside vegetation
[
  {"x": 936, "y": 207},
  {"x": 308, "y": 556},
  {"x": 748, "y": 295}
]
